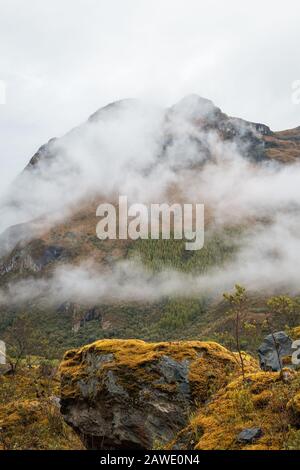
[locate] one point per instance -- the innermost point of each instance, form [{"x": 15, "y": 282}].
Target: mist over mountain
[
  {"x": 245, "y": 174},
  {"x": 149, "y": 230}
]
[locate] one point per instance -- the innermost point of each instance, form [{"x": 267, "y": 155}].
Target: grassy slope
[{"x": 29, "y": 416}]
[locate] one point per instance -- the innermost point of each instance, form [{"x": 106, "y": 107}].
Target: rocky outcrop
[
  {"x": 206, "y": 119},
  {"x": 88, "y": 315},
  {"x": 273, "y": 351},
  {"x": 119, "y": 394},
  {"x": 45, "y": 152},
  {"x": 33, "y": 257},
  {"x": 81, "y": 314}
]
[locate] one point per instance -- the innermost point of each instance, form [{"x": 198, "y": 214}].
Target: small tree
[
  {"x": 237, "y": 301},
  {"x": 251, "y": 331},
  {"x": 19, "y": 338},
  {"x": 286, "y": 307}
]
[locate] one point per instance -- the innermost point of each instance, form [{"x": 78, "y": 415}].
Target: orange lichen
[
  {"x": 210, "y": 364},
  {"x": 263, "y": 400}
]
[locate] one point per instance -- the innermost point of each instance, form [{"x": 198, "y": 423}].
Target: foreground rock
[
  {"x": 249, "y": 435},
  {"x": 273, "y": 351},
  {"x": 119, "y": 394}
]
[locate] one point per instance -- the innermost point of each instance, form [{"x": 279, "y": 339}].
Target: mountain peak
[
  {"x": 114, "y": 106},
  {"x": 196, "y": 107}
]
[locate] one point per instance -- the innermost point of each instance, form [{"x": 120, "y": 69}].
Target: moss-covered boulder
[{"x": 119, "y": 394}]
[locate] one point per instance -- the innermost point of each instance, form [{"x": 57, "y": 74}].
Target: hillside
[
  {"x": 50, "y": 256},
  {"x": 191, "y": 373}
]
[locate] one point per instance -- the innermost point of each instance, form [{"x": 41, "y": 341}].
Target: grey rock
[
  {"x": 80, "y": 314},
  {"x": 113, "y": 387},
  {"x": 91, "y": 314},
  {"x": 272, "y": 346},
  {"x": 88, "y": 388},
  {"x": 45, "y": 152},
  {"x": 108, "y": 416},
  {"x": 51, "y": 253},
  {"x": 248, "y": 435},
  {"x": 175, "y": 372}
]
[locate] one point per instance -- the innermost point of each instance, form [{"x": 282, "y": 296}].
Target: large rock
[
  {"x": 119, "y": 394},
  {"x": 278, "y": 344}
]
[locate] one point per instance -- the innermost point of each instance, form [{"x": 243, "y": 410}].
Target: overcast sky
[{"x": 63, "y": 59}]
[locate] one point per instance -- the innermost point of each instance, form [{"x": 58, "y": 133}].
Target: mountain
[
  {"x": 260, "y": 141},
  {"x": 76, "y": 288},
  {"x": 191, "y": 373}
]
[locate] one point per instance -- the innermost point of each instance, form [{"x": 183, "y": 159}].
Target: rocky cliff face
[
  {"x": 33, "y": 257},
  {"x": 130, "y": 394}
]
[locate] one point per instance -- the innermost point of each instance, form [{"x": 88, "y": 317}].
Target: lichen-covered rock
[{"x": 119, "y": 394}]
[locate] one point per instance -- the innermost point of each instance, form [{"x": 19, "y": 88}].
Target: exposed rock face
[
  {"x": 90, "y": 314},
  {"x": 33, "y": 257},
  {"x": 80, "y": 315},
  {"x": 119, "y": 394},
  {"x": 46, "y": 151},
  {"x": 205, "y": 119},
  {"x": 278, "y": 344}
]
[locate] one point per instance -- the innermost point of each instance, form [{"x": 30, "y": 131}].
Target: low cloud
[{"x": 140, "y": 151}]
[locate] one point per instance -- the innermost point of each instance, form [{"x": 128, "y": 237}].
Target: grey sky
[{"x": 63, "y": 59}]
